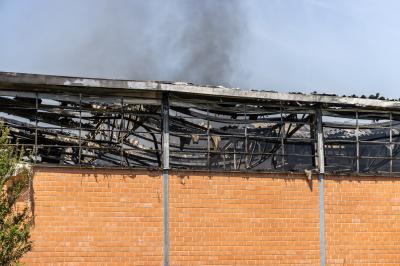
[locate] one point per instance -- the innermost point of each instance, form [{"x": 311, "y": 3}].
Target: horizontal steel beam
[{"x": 46, "y": 82}]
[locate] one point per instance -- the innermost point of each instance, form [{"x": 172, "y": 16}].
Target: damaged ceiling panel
[{"x": 117, "y": 123}]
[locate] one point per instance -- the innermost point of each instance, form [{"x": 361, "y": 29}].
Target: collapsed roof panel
[{"x": 118, "y": 123}]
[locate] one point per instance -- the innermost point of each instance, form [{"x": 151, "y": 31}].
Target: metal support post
[
  {"x": 80, "y": 129},
  {"x": 321, "y": 171},
  {"x": 357, "y": 144},
  {"x": 283, "y": 133},
  {"x": 391, "y": 143},
  {"x": 165, "y": 176},
  {"x": 122, "y": 132},
  {"x": 208, "y": 140},
  {"x": 36, "y": 127},
  {"x": 246, "y": 141}
]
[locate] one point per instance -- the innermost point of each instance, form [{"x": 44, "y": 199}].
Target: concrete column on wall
[
  {"x": 165, "y": 175},
  {"x": 321, "y": 171}
]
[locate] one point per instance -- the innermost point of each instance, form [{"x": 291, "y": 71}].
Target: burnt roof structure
[{"x": 152, "y": 124}]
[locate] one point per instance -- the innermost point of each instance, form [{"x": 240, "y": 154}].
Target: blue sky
[{"x": 341, "y": 46}]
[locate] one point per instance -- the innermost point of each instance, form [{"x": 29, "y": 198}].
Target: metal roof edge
[{"x": 186, "y": 88}]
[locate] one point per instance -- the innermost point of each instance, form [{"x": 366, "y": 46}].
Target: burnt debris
[{"x": 111, "y": 123}]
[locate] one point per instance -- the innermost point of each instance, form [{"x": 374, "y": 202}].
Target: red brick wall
[
  {"x": 362, "y": 221},
  {"x": 87, "y": 216},
  {"x": 231, "y": 220}
]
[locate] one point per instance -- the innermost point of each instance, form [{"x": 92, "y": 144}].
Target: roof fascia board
[{"x": 49, "y": 80}]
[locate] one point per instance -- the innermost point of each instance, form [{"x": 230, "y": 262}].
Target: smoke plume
[
  {"x": 208, "y": 40},
  {"x": 185, "y": 40}
]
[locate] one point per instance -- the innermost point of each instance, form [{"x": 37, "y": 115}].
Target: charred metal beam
[
  {"x": 208, "y": 128},
  {"x": 46, "y": 83}
]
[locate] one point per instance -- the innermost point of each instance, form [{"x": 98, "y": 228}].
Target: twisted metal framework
[{"x": 89, "y": 126}]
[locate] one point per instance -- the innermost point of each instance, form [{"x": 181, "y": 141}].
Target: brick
[
  {"x": 114, "y": 217},
  {"x": 235, "y": 220},
  {"x": 86, "y": 217}
]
